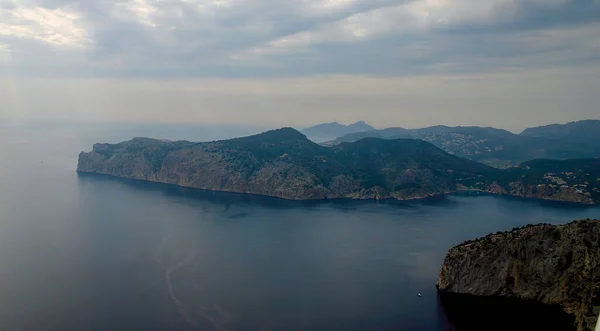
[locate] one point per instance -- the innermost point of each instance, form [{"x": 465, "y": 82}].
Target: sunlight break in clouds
[
  {"x": 59, "y": 26},
  {"x": 327, "y": 5},
  {"x": 137, "y": 10},
  {"x": 420, "y": 17},
  {"x": 407, "y": 18},
  {"x": 148, "y": 13},
  {"x": 281, "y": 48}
]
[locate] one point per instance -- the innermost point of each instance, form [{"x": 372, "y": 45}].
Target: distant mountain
[
  {"x": 360, "y": 126},
  {"x": 583, "y": 132},
  {"x": 285, "y": 164},
  {"x": 495, "y": 147},
  {"x": 389, "y": 133},
  {"x": 330, "y": 131}
]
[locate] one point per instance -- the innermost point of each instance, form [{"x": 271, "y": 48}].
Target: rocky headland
[
  {"x": 556, "y": 267},
  {"x": 285, "y": 164}
]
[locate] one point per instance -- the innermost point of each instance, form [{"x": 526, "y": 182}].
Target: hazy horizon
[
  {"x": 235, "y": 129},
  {"x": 415, "y": 63},
  {"x": 283, "y": 231}
]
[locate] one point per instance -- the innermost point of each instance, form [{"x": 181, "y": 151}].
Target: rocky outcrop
[
  {"x": 534, "y": 191},
  {"x": 553, "y": 265},
  {"x": 547, "y": 192},
  {"x": 285, "y": 164}
]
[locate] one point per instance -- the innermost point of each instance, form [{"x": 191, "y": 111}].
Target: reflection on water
[
  {"x": 361, "y": 262},
  {"x": 468, "y": 313}
]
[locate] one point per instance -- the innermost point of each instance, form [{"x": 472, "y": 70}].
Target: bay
[{"x": 97, "y": 253}]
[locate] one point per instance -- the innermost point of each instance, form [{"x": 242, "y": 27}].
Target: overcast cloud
[{"x": 507, "y": 63}]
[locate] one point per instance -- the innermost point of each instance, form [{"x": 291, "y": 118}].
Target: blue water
[{"x": 95, "y": 253}]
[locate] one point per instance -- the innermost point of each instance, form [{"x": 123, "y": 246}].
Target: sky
[{"x": 503, "y": 63}]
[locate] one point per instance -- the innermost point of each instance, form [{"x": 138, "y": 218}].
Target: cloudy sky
[{"x": 503, "y": 63}]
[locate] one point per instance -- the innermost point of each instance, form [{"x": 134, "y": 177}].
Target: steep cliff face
[
  {"x": 552, "y": 265},
  {"x": 285, "y": 164}
]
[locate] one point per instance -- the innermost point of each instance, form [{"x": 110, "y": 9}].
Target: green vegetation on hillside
[
  {"x": 285, "y": 163},
  {"x": 494, "y": 147},
  {"x": 582, "y": 132},
  {"x": 579, "y": 175}
]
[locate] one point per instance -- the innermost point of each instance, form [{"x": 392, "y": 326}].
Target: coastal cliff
[
  {"x": 285, "y": 164},
  {"x": 557, "y": 266}
]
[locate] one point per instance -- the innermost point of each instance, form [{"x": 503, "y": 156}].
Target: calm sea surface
[{"x": 95, "y": 253}]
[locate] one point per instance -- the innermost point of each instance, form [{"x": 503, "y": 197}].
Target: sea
[{"x": 89, "y": 252}]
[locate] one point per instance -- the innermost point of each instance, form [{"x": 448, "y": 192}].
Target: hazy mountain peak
[
  {"x": 277, "y": 136},
  {"x": 499, "y": 147},
  {"x": 582, "y": 132},
  {"x": 329, "y": 131},
  {"x": 360, "y": 126}
]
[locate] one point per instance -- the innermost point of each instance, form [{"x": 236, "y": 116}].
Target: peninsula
[{"x": 285, "y": 164}]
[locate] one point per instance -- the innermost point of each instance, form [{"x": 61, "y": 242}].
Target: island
[
  {"x": 286, "y": 164},
  {"x": 535, "y": 268}
]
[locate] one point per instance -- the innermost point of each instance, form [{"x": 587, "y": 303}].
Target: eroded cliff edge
[
  {"x": 285, "y": 164},
  {"x": 552, "y": 265}
]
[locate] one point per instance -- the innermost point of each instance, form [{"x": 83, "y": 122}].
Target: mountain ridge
[
  {"x": 328, "y": 131},
  {"x": 582, "y": 132},
  {"x": 495, "y": 147},
  {"x": 286, "y": 164}
]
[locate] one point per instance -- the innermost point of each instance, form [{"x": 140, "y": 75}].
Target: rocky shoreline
[
  {"x": 580, "y": 202},
  {"x": 285, "y": 164},
  {"x": 555, "y": 266},
  {"x": 367, "y": 195}
]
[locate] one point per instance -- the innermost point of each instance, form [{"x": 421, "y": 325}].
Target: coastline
[
  {"x": 407, "y": 199},
  {"x": 545, "y": 264}
]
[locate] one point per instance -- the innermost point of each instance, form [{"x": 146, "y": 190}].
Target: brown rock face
[
  {"x": 552, "y": 265},
  {"x": 285, "y": 164},
  {"x": 548, "y": 193}
]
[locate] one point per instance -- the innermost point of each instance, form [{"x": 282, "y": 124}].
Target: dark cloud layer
[{"x": 267, "y": 37}]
